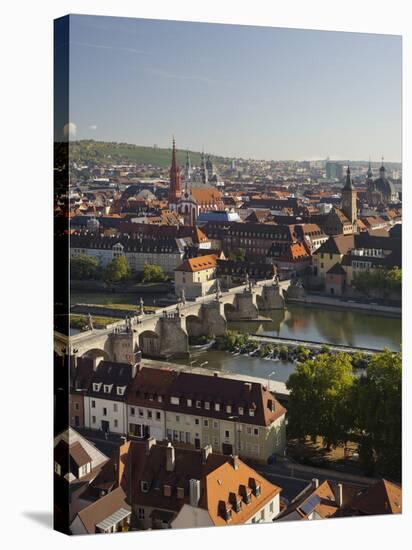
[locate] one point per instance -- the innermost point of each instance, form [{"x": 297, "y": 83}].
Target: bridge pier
[
  {"x": 174, "y": 340},
  {"x": 271, "y": 298},
  {"x": 213, "y": 319},
  {"x": 245, "y": 307}
]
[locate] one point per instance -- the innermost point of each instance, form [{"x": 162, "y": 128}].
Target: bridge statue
[
  {"x": 218, "y": 291},
  {"x": 247, "y": 281},
  {"x": 141, "y": 307},
  {"x": 90, "y": 322},
  {"x": 183, "y": 296}
]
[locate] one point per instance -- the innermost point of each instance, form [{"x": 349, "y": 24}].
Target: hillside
[{"x": 88, "y": 150}]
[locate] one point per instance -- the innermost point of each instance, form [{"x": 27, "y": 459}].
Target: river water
[{"x": 346, "y": 327}]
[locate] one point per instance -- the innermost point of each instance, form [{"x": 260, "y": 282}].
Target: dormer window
[
  {"x": 198, "y": 404},
  {"x": 57, "y": 468},
  {"x": 189, "y": 402},
  {"x": 180, "y": 492},
  {"x": 167, "y": 490},
  {"x": 107, "y": 388},
  {"x": 144, "y": 486},
  {"x": 251, "y": 412},
  {"x": 217, "y": 406},
  {"x": 174, "y": 400},
  {"x": 159, "y": 398},
  {"x": 241, "y": 410},
  {"x": 207, "y": 405},
  {"x": 121, "y": 390},
  {"x": 228, "y": 409},
  {"x": 96, "y": 386}
]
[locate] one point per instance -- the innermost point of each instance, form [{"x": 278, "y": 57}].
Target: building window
[
  {"x": 140, "y": 513},
  {"x": 104, "y": 411},
  {"x": 206, "y": 423},
  {"x": 132, "y": 411},
  {"x": 76, "y": 406},
  {"x": 228, "y": 409},
  {"x": 240, "y": 410},
  {"x": 96, "y": 387},
  {"x": 57, "y": 469},
  {"x": 93, "y": 404},
  {"x": 141, "y": 412},
  {"x": 93, "y": 420},
  {"x": 157, "y": 415},
  {"x": 187, "y": 437},
  {"x": 217, "y": 406},
  {"x": 115, "y": 423},
  {"x": 227, "y": 434},
  {"x": 149, "y": 414},
  {"x": 271, "y": 507},
  {"x": 115, "y": 407},
  {"x": 177, "y": 418},
  {"x": 169, "y": 434},
  {"x": 175, "y": 435},
  {"x": 207, "y": 405},
  {"x": 189, "y": 402},
  {"x": 251, "y": 412},
  {"x": 144, "y": 486},
  {"x": 174, "y": 400},
  {"x": 215, "y": 424},
  {"x": 197, "y": 421},
  {"x": 198, "y": 404},
  {"x": 256, "y": 431}
]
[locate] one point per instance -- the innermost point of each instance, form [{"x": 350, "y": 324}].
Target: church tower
[
  {"x": 349, "y": 199},
  {"x": 203, "y": 169},
  {"x": 175, "y": 183}
]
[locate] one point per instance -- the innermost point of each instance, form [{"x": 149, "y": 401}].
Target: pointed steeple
[
  {"x": 369, "y": 173},
  {"x": 382, "y": 171},
  {"x": 348, "y": 182},
  {"x": 203, "y": 169},
  {"x": 175, "y": 185}
]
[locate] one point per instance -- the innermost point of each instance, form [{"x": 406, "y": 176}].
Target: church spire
[
  {"x": 369, "y": 173},
  {"x": 348, "y": 182},
  {"x": 175, "y": 185}
]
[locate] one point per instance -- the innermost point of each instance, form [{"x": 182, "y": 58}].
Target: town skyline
[{"x": 146, "y": 86}]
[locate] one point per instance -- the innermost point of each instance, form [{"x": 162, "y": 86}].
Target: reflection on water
[{"x": 345, "y": 327}]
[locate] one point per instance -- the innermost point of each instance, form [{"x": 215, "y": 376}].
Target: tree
[
  {"x": 377, "y": 402},
  {"x": 381, "y": 279},
  {"x": 237, "y": 254},
  {"x": 117, "y": 270},
  {"x": 84, "y": 267},
  {"x": 320, "y": 390},
  {"x": 153, "y": 274}
]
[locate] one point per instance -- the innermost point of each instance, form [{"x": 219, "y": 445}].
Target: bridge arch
[
  {"x": 194, "y": 325},
  {"x": 149, "y": 343},
  {"x": 96, "y": 353}
]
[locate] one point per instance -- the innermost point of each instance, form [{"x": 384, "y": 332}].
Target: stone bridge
[{"x": 165, "y": 333}]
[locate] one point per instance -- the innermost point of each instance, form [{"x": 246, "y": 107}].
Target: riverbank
[{"x": 336, "y": 303}]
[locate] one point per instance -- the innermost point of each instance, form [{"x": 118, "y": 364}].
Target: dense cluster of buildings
[{"x": 283, "y": 229}]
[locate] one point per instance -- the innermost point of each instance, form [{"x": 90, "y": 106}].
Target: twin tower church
[{"x": 195, "y": 190}]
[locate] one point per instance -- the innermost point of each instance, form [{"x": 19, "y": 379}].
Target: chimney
[
  {"x": 170, "y": 457},
  {"x": 149, "y": 444},
  {"x": 194, "y": 487},
  {"x": 315, "y": 483},
  {"x": 339, "y": 496},
  {"x": 206, "y": 452},
  {"x": 234, "y": 459}
]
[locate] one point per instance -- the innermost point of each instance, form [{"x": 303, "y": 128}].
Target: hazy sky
[{"x": 235, "y": 90}]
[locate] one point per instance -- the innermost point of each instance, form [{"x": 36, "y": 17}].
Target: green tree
[
  {"x": 320, "y": 391},
  {"x": 117, "y": 270},
  {"x": 381, "y": 279},
  {"x": 377, "y": 401},
  {"x": 237, "y": 254},
  {"x": 84, "y": 267},
  {"x": 153, "y": 274}
]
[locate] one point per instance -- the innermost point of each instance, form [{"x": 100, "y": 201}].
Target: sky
[{"x": 237, "y": 91}]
